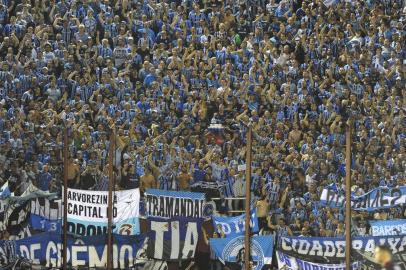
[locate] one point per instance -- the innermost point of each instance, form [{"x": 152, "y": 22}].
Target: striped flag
[
  {"x": 155, "y": 265},
  {"x": 49, "y": 209}
]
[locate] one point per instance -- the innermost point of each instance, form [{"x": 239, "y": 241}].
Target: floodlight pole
[
  {"x": 65, "y": 198},
  {"x": 110, "y": 200},
  {"x": 248, "y": 197},
  {"x": 348, "y": 196}
]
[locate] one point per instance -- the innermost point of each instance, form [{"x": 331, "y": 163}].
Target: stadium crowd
[{"x": 179, "y": 81}]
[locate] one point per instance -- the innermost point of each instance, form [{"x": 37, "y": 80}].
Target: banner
[
  {"x": 173, "y": 239},
  {"x": 332, "y": 249},
  {"x": 3, "y": 206},
  {"x": 169, "y": 204},
  {"x": 87, "y": 212},
  {"x": 46, "y": 249},
  {"x": 40, "y": 223},
  {"x": 287, "y": 262},
  {"x": 234, "y": 226},
  {"x": 232, "y": 250},
  {"x": 388, "y": 227},
  {"x": 15, "y": 220},
  {"x": 210, "y": 189},
  {"x": 367, "y": 259},
  {"x": 8, "y": 252},
  {"x": 377, "y": 198},
  {"x": 329, "y": 3},
  {"x": 48, "y": 209},
  {"x": 5, "y": 191},
  {"x": 15, "y": 210},
  {"x": 31, "y": 192}
]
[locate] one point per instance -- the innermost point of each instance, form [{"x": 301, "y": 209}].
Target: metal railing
[{"x": 231, "y": 199}]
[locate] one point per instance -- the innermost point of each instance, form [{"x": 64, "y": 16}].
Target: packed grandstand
[{"x": 156, "y": 98}]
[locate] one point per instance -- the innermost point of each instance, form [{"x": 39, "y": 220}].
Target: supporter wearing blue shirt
[{"x": 44, "y": 179}]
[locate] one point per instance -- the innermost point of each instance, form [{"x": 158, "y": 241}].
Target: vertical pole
[
  {"x": 348, "y": 196},
  {"x": 65, "y": 197},
  {"x": 110, "y": 200},
  {"x": 248, "y": 197}
]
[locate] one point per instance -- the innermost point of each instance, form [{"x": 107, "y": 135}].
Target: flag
[{"x": 5, "y": 191}]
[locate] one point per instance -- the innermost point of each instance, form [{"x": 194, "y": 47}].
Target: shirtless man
[
  {"x": 73, "y": 173},
  {"x": 262, "y": 206},
  {"x": 184, "y": 178},
  {"x": 147, "y": 180},
  {"x": 295, "y": 135}
]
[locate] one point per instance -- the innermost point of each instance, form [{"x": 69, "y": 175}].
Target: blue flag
[
  {"x": 232, "y": 250},
  {"x": 5, "y": 191},
  {"x": 378, "y": 198},
  {"x": 42, "y": 224},
  {"x": 234, "y": 226},
  {"x": 388, "y": 227}
]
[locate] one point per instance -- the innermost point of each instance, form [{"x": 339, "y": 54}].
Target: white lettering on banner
[
  {"x": 356, "y": 244},
  {"x": 389, "y": 230},
  {"x": 288, "y": 262},
  {"x": 304, "y": 247},
  {"x": 189, "y": 245},
  {"x": 53, "y": 255},
  {"x": 34, "y": 248},
  {"x": 191, "y": 238},
  {"x": 237, "y": 224},
  {"x": 224, "y": 227},
  {"x": 50, "y": 247},
  {"x": 393, "y": 242},
  {"x": 377, "y": 198},
  {"x": 175, "y": 235},
  {"x": 370, "y": 246},
  {"x": 126, "y": 249},
  {"x": 285, "y": 244},
  {"x": 75, "y": 251},
  {"x": 96, "y": 260},
  {"x": 317, "y": 249},
  {"x": 29, "y": 252},
  {"x": 329, "y": 248},
  {"x": 340, "y": 249},
  {"x": 159, "y": 228}
]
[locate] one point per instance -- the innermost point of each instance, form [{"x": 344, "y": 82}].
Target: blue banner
[
  {"x": 332, "y": 249},
  {"x": 388, "y": 227},
  {"x": 127, "y": 227},
  {"x": 173, "y": 239},
  {"x": 377, "y": 198},
  {"x": 5, "y": 191},
  {"x": 233, "y": 226},
  {"x": 232, "y": 250},
  {"x": 291, "y": 263},
  {"x": 46, "y": 249},
  {"x": 168, "y": 204},
  {"x": 40, "y": 223}
]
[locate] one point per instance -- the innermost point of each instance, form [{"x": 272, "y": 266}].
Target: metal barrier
[{"x": 232, "y": 199}]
